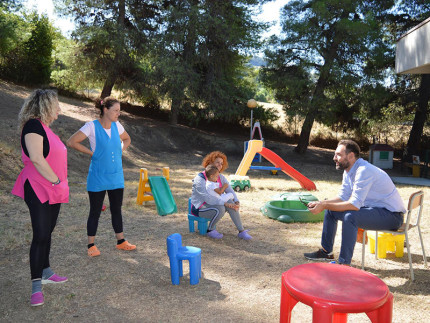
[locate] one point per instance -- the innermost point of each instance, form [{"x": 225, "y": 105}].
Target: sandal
[
  {"x": 93, "y": 251},
  {"x": 126, "y": 246},
  {"x": 244, "y": 235}
]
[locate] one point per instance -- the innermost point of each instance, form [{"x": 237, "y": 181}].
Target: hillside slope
[{"x": 152, "y": 140}]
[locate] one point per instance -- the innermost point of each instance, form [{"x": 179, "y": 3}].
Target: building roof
[{"x": 381, "y": 147}]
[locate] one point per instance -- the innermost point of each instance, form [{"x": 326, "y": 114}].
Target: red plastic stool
[{"x": 333, "y": 291}]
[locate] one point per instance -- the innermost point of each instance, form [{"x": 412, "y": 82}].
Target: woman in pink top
[{"x": 42, "y": 183}]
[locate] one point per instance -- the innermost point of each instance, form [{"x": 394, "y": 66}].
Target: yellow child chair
[
  {"x": 415, "y": 209},
  {"x": 387, "y": 242}
]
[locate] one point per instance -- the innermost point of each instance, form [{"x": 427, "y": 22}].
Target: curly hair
[
  {"x": 210, "y": 158},
  {"x": 41, "y": 104}
]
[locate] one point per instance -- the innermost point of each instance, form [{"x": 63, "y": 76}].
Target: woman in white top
[{"x": 107, "y": 140}]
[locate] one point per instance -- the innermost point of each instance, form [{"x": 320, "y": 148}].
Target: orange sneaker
[
  {"x": 126, "y": 246},
  {"x": 93, "y": 251}
]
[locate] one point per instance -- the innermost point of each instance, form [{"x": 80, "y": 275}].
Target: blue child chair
[
  {"x": 202, "y": 223},
  {"x": 177, "y": 253}
]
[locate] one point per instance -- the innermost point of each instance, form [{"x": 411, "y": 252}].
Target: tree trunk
[
  {"x": 174, "y": 110},
  {"x": 317, "y": 97},
  {"x": 187, "y": 59},
  {"x": 108, "y": 86},
  {"x": 121, "y": 15},
  {"x": 414, "y": 142},
  {"x": 113, "y": 74},
  {"x": 318, "y": 94},
  {"x": 305, "y": 133}
]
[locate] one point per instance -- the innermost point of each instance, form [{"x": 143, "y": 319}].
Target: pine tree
[
  {"x": 37, "y": 63},
  {"x": 326, "y": 50},
  {"x": 201, "y": 52},
  {"x": 115, "y": 36}
]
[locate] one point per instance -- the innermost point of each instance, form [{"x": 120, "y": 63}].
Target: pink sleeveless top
[{"x": 57, "y": 159}]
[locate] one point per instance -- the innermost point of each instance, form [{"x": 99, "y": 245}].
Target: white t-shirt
[
  {"x": 89, "y": 130},
  {"x": 210, "y": 188}
]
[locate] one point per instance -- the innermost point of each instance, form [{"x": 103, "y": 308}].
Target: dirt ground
[{"x": 241, "y": 279}]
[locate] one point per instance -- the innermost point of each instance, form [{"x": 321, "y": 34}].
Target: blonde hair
[
  {"x": 41, "y": 104},
  {"x": 210, "y": 158}
]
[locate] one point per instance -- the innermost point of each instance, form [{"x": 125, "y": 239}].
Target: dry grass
[
  {"x": 241, "y": 278},
  {"x": 395, "y": 135}
]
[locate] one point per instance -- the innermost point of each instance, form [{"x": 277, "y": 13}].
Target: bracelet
[{"x": 57, "y": 182}]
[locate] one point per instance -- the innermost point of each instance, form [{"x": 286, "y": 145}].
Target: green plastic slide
[{"x": 162, "y": 195}]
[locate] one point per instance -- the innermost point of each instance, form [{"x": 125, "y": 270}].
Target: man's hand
[
  {"x": 335, "y": 204},
  {"x": 315, "y": 207}
]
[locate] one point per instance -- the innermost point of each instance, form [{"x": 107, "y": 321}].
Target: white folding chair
[{"x": 413, "y": 219}]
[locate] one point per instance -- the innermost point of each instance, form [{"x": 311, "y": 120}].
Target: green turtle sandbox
[{"x": 287, "y": 208}]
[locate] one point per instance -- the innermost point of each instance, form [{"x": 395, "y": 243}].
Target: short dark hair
[
  {"x": 350, "y": 146},
  {"x": 210, "y": 170}
]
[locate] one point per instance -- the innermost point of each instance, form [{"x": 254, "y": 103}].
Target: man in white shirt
[{"x": 367, "y": 199}]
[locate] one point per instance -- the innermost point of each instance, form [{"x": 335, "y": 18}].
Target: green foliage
[
  {"x": 329, "y": 49},
  {"x": 72, "y": 72},
  {"x": 10, "y": 5},
  {"x": 38, "y": 52},
  {"x": 265, "y": 116},
  {"x": 291, "y": 85},
  {"x": 115, "y": 38},
  {"x": 11, "y": 31},
  {"x": 14, "y": 30},
  {"x": 264, "y": 95},
  {"x": 199, "y": 60},
  {"x": 389, "y": 118},
  {"x": 25, "y": 47},
  {"x": 257, "y": 89}
]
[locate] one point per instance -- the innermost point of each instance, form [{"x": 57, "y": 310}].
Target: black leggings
[
  {"x": 96, "y": 204},
  {"x": 43, "y": 220}
]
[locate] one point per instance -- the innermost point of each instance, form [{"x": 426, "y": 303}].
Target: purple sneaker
[
  {"x": 244, "y": 235},
  {"x": 214, "y": 234},
  {"x": 54, "y": 279},
  {"x": 37, "y": 299}
]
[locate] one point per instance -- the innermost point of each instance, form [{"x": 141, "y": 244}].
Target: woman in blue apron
[{"x": 107, "y": 139}]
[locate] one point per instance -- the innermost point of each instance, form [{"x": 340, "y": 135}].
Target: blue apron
[{"x": 105, "y": 171}]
